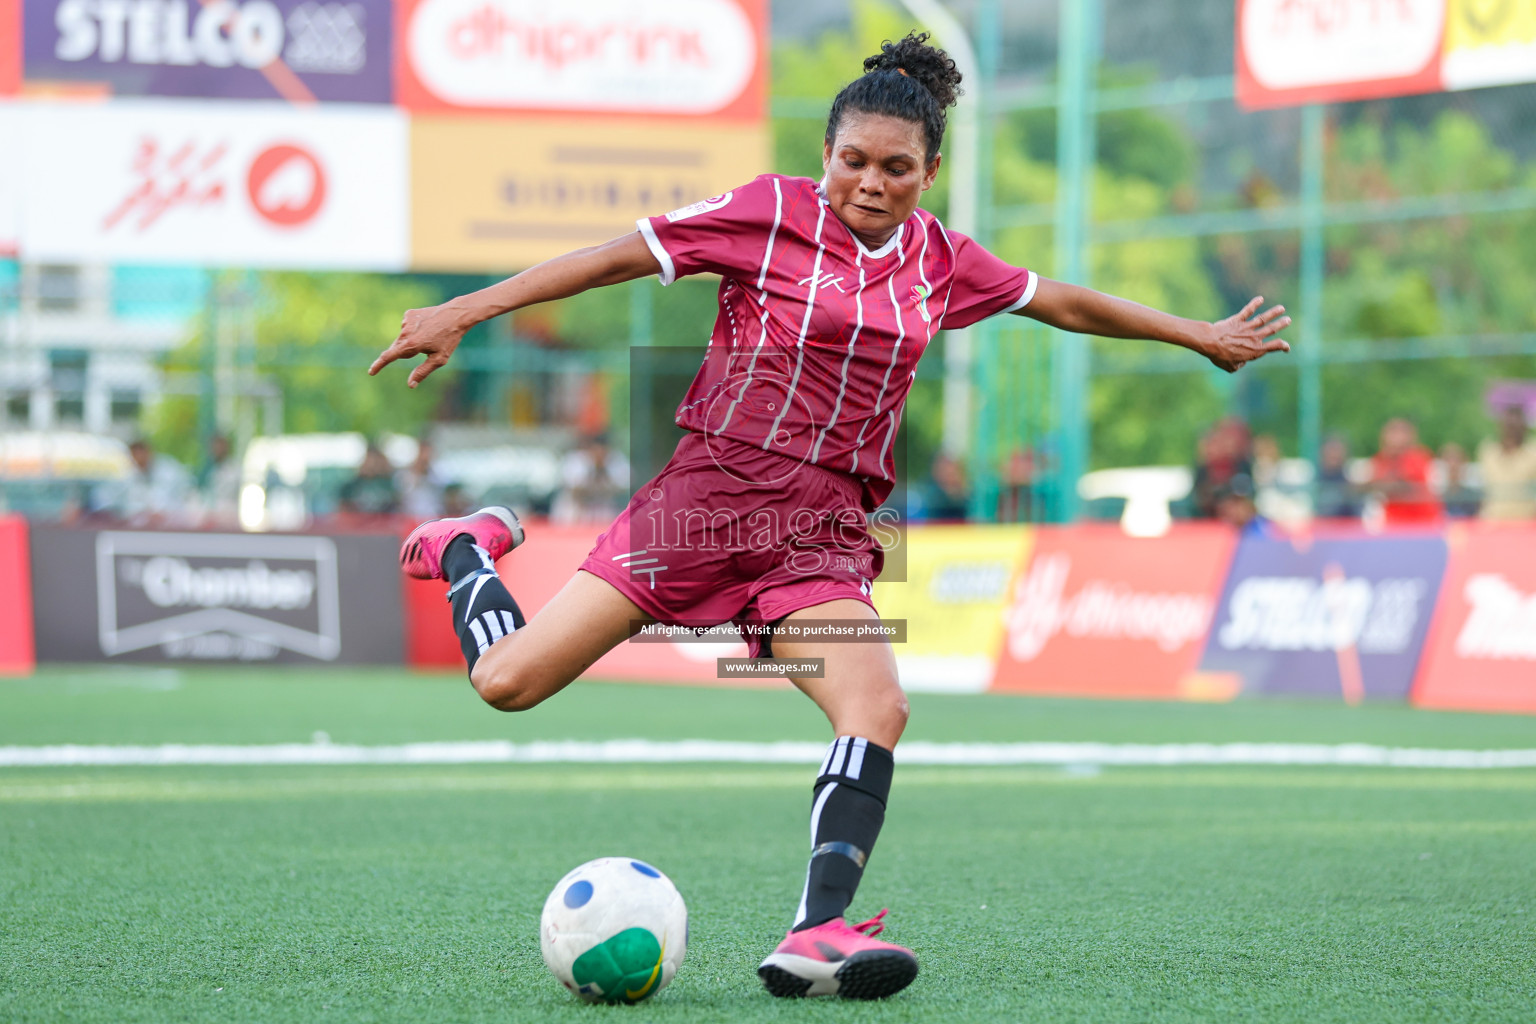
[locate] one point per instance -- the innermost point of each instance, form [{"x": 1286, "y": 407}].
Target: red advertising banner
[
  {"x": 535, "y": 572},
  {"x": 1323, "y": 51},
  {"x": 10, "y": 47},
  {"x": 661, "y": 58},
  {"x": 17, "y": 654},
  {"x": 1481, "y": 652},
  {"x": 1100, "y": 614}
]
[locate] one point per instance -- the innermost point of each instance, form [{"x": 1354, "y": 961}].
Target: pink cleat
[
  {"x": 835, "y": 959},
  {"x": 495, "y": 528}
]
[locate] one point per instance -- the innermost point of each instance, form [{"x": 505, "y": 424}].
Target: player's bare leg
[
  {"x": 584, "y": 621},
  {"x": 514, "y": 664},
  {"x": 859, "y": 691},
  {"x": 862, "y": 698}
]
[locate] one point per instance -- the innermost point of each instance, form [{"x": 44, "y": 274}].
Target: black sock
[
  {"x": 483, "y": 611},
  {"x": 846, "y": 816}
]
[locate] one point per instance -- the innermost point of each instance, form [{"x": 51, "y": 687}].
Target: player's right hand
[{"x": 434, "y": 332}]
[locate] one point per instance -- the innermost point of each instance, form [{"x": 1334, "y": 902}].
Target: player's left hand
[{"x": 1243, "y": 337}]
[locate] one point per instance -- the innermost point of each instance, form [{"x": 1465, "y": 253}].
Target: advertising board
[
  {"x": 648, "y": 57},
  {"x": 1481, "y": 653},
  {"x": 10, "y": 178},
  {"x": 297, "y": 50},
  {"x": 16, "y": 644},
  {"x": 1320, "y": 51},
  {"x": 498, "y": 194},
  {"x": 214, "y": 183},
  {"x": 1325, "y": 51},
  {"x": 1489, "y": 43},
  {"x": 1097, "y": 613},
  {"x": 952, "y": 600},
  {"x": 10, "y": 46},
  {"x": 1342, "y": 617},
  {"x": 118, "y": 595}
]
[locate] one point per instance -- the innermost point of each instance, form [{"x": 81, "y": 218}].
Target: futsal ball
[{"x": 615, "y": 930}]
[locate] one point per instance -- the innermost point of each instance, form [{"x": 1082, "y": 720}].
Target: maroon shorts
[{"x": 728, "y": 532}]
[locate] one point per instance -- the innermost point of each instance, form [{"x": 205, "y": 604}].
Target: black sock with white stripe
[
  {"x": 483, "y": 611},
  {"x": 846, "y": 815}
]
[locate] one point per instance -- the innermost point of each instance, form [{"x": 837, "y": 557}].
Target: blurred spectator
[
  {"x": 1266, "y": 461},
  {"x": 1400, "y": 476},
  {"x": 1508, "y": 465},
  {"x": 1460, "y": 500},
  {"x": 371, "y": 494},
  {"x": 421, "y": 485},
  {"x": 1015, "y": 497},
  {"x": 946, "y": 494},
  {"x": 218, "y": 483},
  {"x": 1337, "y": 495},
  {"x": 595, "y": 484},
  {"x": 1236, "y": 503},
  {"x": 455, "y": 501},
  {"x": 1225, "y": 452},
  {"x": 155, "y": 492}
]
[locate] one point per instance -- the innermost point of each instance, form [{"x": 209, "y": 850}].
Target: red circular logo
[{"x": 286, "y": 185}]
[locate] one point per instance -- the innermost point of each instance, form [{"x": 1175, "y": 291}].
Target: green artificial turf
[{"x": 412, "y": 894}]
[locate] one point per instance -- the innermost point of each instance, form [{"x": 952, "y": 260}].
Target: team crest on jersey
[
  {"x": 702, "y": 206},
  {"x": 920, "y": 293}
]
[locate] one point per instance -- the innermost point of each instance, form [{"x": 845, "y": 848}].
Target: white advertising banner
[
  {"x": 215, "y": 183},
  {"x": 1311, "y": 51},
  {"x": 10, "y": 178},
  {"x": 654, "y": 57},
  {"x": 1328, "y": 51}
]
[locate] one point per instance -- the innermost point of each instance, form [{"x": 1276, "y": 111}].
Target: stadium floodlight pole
[{"x": 964, "y": 175}]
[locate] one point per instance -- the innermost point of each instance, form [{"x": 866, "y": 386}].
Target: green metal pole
[
  {"x": 991, "y": 438},
  {"x": 1074, "y": 167},
  {"x": 640, "y": 312},
  {"x": 1314, "y": 129}
]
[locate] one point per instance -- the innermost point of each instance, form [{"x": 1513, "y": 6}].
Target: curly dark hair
[{"x": 909, "y": 80}]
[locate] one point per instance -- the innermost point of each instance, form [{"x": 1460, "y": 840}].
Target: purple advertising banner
[
  {"x": 299, "y": 50},
  {"x": 1341, "y": 617}
]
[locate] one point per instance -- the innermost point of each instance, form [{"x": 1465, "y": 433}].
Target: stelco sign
[
  {"x": 667, "y": 57},
  {"x": 251, "y": 49}
]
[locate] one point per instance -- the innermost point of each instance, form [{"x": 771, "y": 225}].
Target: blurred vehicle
[
  {"x": 524, "y": 479},
  {"x": 290, "y": 480},
  {"x": 51, "y": 475},
  {"x": 1140, "y": 497}
]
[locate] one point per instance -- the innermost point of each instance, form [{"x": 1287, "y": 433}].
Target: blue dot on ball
[
  {"x": 578, "y": 894},
  {"x": 644, "y": 868}
]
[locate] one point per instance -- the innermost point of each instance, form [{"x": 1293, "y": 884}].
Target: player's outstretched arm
[
  {"x": 435, "y": 332},
  {"x": 1230, "y": 344}
]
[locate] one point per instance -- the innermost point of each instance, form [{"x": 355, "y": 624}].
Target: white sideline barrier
[{"x": 1357, "y": 755}]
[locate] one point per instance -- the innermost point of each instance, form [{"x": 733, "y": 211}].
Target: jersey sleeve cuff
[
  {"x": 1029, "y": 293},
  {"x": 668, "y": 270}
]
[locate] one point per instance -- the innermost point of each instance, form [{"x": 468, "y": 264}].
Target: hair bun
[{"x": 928, "y": 65}]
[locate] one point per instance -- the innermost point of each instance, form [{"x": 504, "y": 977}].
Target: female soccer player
[{"x": 829, "y": 293}]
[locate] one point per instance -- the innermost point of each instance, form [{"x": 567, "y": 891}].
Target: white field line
[{"x": 1359, "y": 755}]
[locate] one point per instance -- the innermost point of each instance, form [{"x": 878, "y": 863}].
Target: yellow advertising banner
[
  {"x": 954, "y": 600},
  {"x": 501, "y": 194},
  {"x": 1489, "y": 42}
]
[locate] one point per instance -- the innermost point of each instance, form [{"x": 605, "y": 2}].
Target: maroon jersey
[{"x": 818, "y": 337}]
